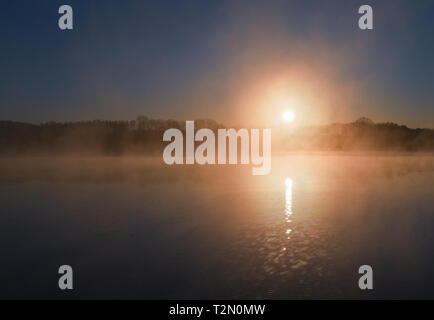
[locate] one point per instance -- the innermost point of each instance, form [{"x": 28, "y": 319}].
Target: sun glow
[
  {"x": 288, "y": 116},
  {"x": 288, "y": 183}
]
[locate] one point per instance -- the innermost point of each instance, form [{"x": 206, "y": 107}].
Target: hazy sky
[{"x": 239, "y": 62}]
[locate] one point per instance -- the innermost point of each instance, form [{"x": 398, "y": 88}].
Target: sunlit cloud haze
[{"x": 238, "y": 62}]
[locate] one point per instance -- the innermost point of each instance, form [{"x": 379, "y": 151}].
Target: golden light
[
  {"x": 288, "y": 116},
  {"x": 288, "y": 183}
]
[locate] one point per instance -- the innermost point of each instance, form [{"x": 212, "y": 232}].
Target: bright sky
[{"x": 239, "y": 62}]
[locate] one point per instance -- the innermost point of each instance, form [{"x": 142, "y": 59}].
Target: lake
[{"x": 134, "y": 228}]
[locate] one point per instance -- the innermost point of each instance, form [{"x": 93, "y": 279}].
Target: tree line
[{"x": 144, "y": 136}]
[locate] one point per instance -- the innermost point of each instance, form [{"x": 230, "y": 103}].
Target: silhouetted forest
[
  {"x": 361, "y": 135},
  {"x": 144, "y": 136},
  {"x": 140, "y": 136}
]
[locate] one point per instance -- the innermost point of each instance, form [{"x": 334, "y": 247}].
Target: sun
[
  {"x": 288, "y": 116},
  {"x": 288, "y": 183}
]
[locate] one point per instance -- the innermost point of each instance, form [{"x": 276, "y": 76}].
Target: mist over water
[{"x": 132, "y": 227}]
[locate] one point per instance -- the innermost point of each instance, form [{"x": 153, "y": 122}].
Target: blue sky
[{"x": 217, "y": 59}]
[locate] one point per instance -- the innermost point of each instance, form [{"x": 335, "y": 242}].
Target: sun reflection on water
[{"x": 288, "y": 206}]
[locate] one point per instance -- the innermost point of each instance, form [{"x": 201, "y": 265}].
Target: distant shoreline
[{"x": 144, "y": 136}]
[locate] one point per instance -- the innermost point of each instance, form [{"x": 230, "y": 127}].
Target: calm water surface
[{"x": 134, "y": 228}]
